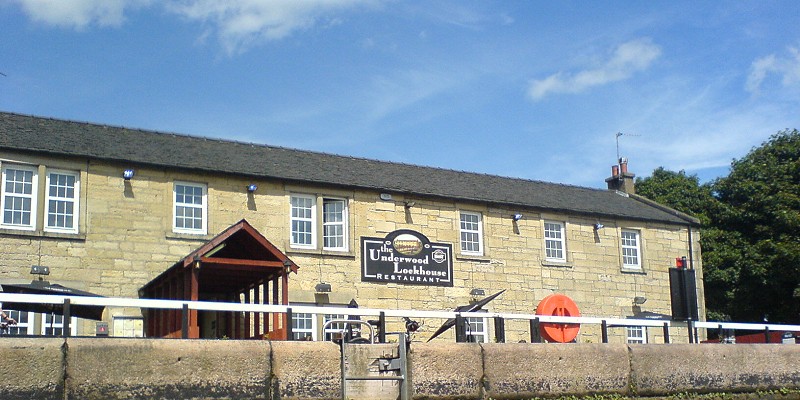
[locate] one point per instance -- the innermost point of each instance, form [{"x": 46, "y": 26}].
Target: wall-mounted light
[
  {"x": 516, "y": 217},
  {"x": 639, "y": 300},
  {"x": 386, "y": 196},
  {"x": 128, "y": 174},
  {"x": 410, "y": 204},
  {"x": 598, "y": 226},
  {"x": 323, "y": 287},
  {"x": 40, "y": 270},
  {"x": 477, "y": 292},
  {"x": 252, "y": 187}
]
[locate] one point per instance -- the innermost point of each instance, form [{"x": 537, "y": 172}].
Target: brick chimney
[{"x": 621, "y": 179}]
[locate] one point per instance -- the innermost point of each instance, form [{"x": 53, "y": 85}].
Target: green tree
[
  {"x": 679, "y": 191},
  {"x": 761, "y": 224},
  {"x": 750, "y": 230}
]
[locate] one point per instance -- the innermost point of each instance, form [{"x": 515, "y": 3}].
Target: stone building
[{"x": 66, "y": 205}]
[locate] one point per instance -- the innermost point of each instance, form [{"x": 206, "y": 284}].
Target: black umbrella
[
  {"x": 44, "y": 287},
  {"x": 468, "y": 308}
]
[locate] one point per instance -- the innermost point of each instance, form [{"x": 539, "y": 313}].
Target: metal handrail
[
  {"x": 350, "y": 322},
  {"x": 368, "y": 312}
]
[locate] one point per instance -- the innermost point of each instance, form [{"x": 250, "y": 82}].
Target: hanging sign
[{"x": 407, "y": 257}]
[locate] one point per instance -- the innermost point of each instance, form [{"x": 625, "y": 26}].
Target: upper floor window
[
  {"x": 471, "y": 233},
  {"x": 19, "y": 197},
  {"x": 554, "y": 241},
  {"x": 303, "y": 221},
  {"x": 190, "y": 207},
  {"x": 61, "y": 212},
  {"x": 631, "y": 249},
  {"x": 334, "y": 221}
]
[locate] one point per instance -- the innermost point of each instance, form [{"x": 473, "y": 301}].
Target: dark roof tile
[{"x": 79, "y": 139}]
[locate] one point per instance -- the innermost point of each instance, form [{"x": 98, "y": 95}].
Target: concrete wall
[{"x": 88, "y": 368}]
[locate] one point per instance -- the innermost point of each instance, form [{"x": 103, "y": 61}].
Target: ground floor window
[
  {"x": 636, "y": 334},
  {"x": 53, "y": 325},
  {"x": 476, "y": 330},
  {"x": 29, "y": 323},
  {"x": 303, "y": 326},
  {"x": 308, "y": 326}
]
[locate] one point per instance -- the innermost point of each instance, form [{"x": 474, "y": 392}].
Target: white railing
[{"x": 371, "y": 312}]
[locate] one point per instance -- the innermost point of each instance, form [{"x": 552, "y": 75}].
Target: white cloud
[
  {"x": 237, "y": 23},
  {"x": 788, "y": 67},
  {"x": 240, "y": 23},
  {"x": 628, "y": 58},
  {"x": 79, "y": 13}
]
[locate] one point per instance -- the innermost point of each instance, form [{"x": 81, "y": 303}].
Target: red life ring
[{"x": 561, "y": 306}]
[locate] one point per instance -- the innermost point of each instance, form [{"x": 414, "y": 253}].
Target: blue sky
[{"x": 530, "y": 89}]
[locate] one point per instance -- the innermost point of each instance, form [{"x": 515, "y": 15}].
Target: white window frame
[
  {"x": 58, "y": 326},
  {"x": 74, "y": 200},
  {"x": 311, "y": 220},
  {"x": 203, "y": 207},
  {"x": 477, "y": 329},
  {"x": 319, "y": 223},
  {"x": 24, "y": 326},
  {"x": 343, "y": 224},
  {"x": 471, "y": 232},
  {"x": 32, "y": 197},
  {"x": 305, "y": 331},
  {"x": 636, "y": 334},
  {"x": 333, "y": 329},
  {"x": 555, "y": 241},
  {"x": 630, "y": 251}
]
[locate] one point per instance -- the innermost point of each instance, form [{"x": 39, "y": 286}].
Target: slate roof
[{"x": 134, "y": 146}]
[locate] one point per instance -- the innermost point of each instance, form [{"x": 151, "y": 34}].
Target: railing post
[
  {"x": 288, "y": 327},
  {"x": 461, "y": 331},
  {"x": 604, "y": 331},
  {"x": 185, "y": 321},
  {"x": 67, "y": 317},
  {"x": 766, "y": 333},
  {"x": 690, "y": 327},
  {"x": 666, "y": 332},
  {"x": 536, "y": 336},
  {"x": 499, "y": 330},
  {"x": 382, "y": 327}
]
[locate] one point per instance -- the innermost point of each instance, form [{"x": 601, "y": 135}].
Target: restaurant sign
[{"x": 407, "y": 257}]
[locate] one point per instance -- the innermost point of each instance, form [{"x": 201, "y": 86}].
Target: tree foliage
[{"x": 750, "y": 229}]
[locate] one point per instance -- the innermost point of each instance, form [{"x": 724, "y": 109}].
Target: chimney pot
[
  {"x": 624, "y": 166},
  {"x": 615, "y": 170}
]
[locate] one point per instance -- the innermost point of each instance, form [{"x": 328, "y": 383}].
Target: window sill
[
  {"x": 634, "y": 271},
  {"x": 43, "y": 234},
  {"x": 319, "y": 252},
  {"x": 557, "y": 264},
  {"x": 473, "y": 257},
  {"x": 188, "y": 236}
]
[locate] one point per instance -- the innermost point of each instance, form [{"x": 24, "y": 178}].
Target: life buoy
[{"x": 561, "y": 306}]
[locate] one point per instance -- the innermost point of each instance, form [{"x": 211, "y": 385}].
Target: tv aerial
[{"x": 617, "y": 139}]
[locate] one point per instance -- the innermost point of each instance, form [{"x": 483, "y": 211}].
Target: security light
[
  {"x": 252, "y": 187},
  {"x": 323, "y": 287},
  {"x": 477, "y": 292},
  {"x": 598, "y": 226},
  {"x": 516, "y": 217},
  {"x": 639, "y": 300},
  {"x": 40, "y": 270},
  {"x": 128, "y": 174}
]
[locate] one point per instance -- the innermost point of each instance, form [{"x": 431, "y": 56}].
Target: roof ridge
[{"x": 318, "y": 152}]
